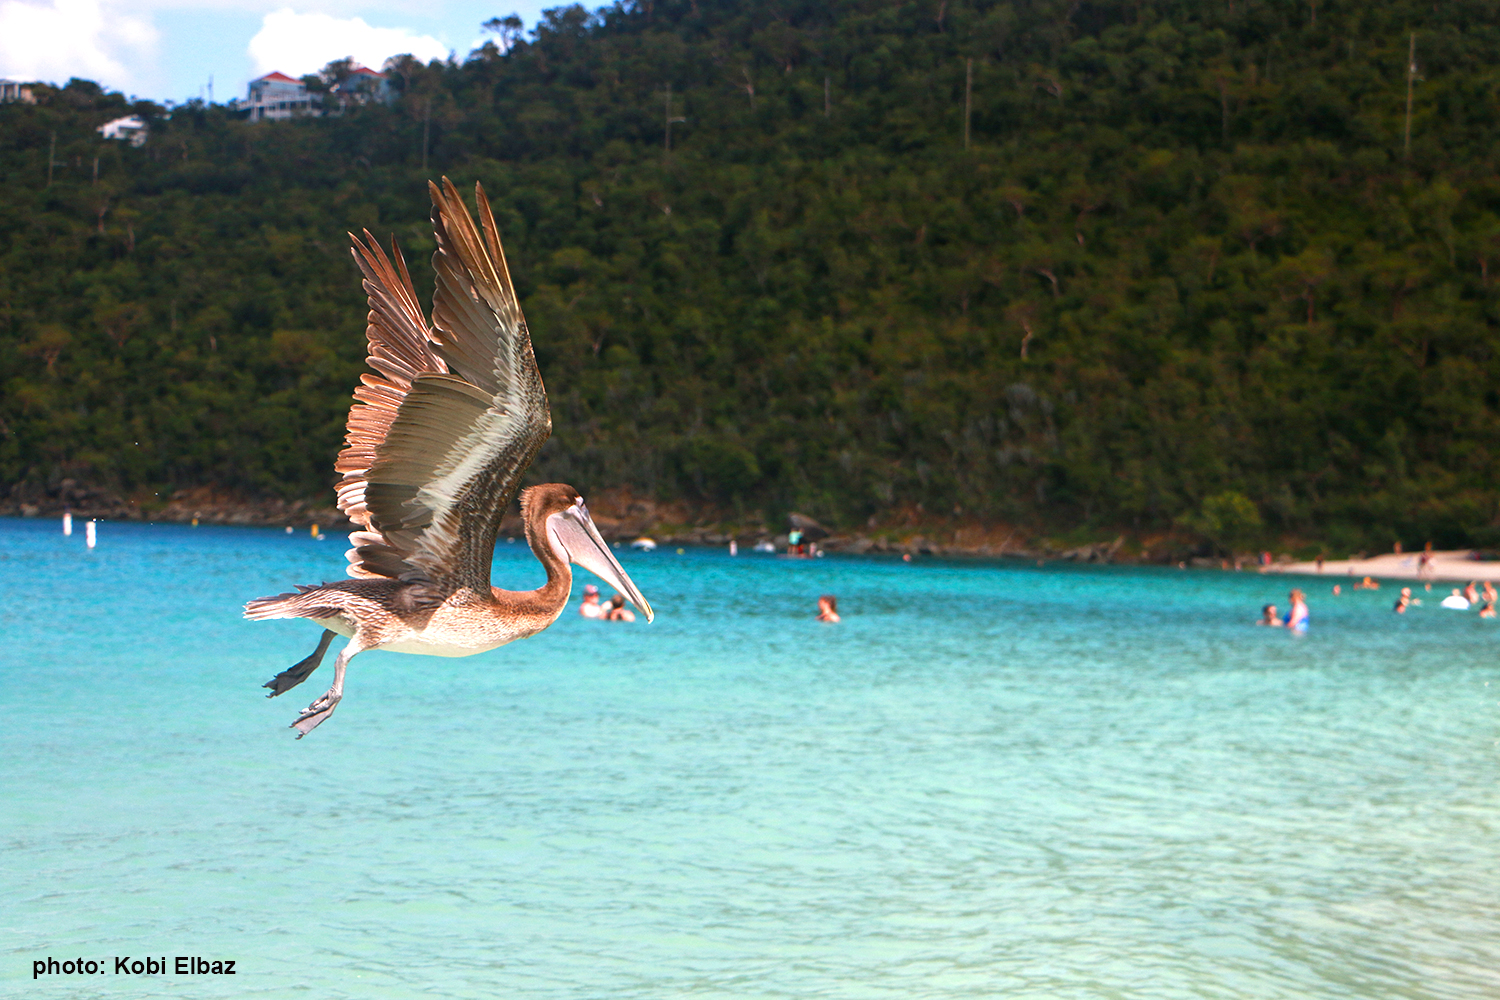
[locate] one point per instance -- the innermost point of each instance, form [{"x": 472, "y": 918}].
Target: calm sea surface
[{"x": 990, "y": 780}]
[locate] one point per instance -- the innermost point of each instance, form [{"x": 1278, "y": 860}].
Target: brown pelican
[{"x": 436, "y": 446}]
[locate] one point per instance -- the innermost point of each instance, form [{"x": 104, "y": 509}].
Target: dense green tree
[{"x": 1186, "y": 256}]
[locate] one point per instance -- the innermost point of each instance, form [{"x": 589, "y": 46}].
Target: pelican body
[{"x": 436, "y": 446}]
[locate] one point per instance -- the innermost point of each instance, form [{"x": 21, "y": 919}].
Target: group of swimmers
[
  {"x": 612, "y": 610},
  {"x": 1469, "y": 597},
  {"x": 1459, "y": 600}
]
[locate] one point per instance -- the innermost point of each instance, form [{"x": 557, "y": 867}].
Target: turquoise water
[{"x": 989, "y": 780}]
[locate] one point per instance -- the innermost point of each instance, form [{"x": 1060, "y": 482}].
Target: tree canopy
[{"x": 1188, "y": 252}]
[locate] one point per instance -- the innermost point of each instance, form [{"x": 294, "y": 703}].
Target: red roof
[
  {"x": 279, "y": 77},
  {"x": 368, "y": 71}
]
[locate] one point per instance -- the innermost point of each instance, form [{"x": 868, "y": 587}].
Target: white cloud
[
  {"x": 53, "y": 40},
  {"x": 304, "y": 43}
]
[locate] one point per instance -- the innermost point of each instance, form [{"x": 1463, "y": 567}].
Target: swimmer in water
[
  {"x": 1268, "y": 616},
  {"x": 1297, "y": 616},
  {"x": 1456, "y": 601},
  {"x": 591, "y": 608},
  {"x": 1471, "y": 593},
  {"x": 616, "y": 611},
  {"x": 1488, "y": 611},
  {"x": 1406, "y": 601},
  {"x": 828, "y": 608}
]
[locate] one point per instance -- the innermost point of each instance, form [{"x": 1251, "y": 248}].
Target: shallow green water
[{"x": 989, "y": 780}]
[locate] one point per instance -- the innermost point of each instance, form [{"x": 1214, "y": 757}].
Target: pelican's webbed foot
[
  {"x": 299, "y": 672},
  {"x": 317, "y": 713}
]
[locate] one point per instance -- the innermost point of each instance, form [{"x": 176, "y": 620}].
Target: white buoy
[
  {"x": 89, "y": 532},
  {"x": 289, "y": 529},
  {"x": 67, "y": 522},
  {"x": 734, "y": 547}
]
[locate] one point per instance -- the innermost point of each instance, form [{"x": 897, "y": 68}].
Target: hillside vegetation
[{"x": 1186, "y": 272}]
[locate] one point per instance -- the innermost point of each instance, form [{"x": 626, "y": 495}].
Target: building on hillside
[
  {"x": 131, "y": 129},
  {"x": 12, "y": 92},
  {"x": 276, "y": 96},
  {"x": 364, "y": 85}
]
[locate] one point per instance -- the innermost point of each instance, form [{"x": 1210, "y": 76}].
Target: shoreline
[
  {"x": 623, "y": 517},
  {"x": 620, "y": 518},
  {"x": 619, "y": 515}
]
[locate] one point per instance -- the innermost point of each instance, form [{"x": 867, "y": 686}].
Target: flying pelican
[{"x": 437, "y": 444}]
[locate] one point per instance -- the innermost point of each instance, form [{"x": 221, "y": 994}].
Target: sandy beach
[{"x": 1459, "y": 565}]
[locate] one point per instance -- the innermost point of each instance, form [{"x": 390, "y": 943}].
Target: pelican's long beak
[{"x": 575, "y": 532}]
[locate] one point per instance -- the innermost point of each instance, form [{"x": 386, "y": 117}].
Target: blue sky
[{"x": 168, "y": 49}]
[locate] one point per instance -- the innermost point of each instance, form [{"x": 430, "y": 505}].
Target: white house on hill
[
  {"x": 14, "y": 92},
  {"x": 276, "y": 96},
  {"x": 131, "y": 128}
]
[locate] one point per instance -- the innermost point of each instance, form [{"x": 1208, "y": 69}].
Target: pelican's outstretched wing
[
  {"x": 400, "y": 350},
  {"x": 446, "y": 450}
]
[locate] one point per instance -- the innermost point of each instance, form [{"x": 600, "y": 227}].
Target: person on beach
[
  {"x": 616, "y": 611},
  {"x": 1424, "y": 562},
  {"x": 1297, "y": 615},
  {"x": 591, "y": 608},
  {"x": 1268, "y": 616},
  {"x": 1456, "y": 601},
  {"x": 828, "y": 609}
]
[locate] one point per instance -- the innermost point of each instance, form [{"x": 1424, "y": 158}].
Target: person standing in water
[
  {"x": 1297, "y": 615},
  {"x": 591, "y": 608},
  {"x": 1268, "y": 616},
  {"x": 828, "y": 608}
]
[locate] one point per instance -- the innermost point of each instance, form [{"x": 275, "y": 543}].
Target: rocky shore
[{"x": 622, "y": 516}]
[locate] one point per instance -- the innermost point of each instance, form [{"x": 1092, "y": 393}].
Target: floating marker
[
  {"x": 734, "y": 547},
  {"x": 89, "y": 532},
  {"x": 67, "y": 522},
  {"x": 195, "y": 522},
  {"x": 315, "y": 531},
  {"x": 289, "y": 529}
]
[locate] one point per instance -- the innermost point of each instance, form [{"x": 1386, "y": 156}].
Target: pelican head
[{"x": 571, "y": 533}]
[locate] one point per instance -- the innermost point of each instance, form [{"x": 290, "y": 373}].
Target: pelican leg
[
  {"x": 298, "y": 672},
  {"x": 317, "y": 713}
]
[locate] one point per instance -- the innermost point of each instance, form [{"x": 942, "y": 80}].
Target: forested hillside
[{"x": 1186, "y": 253}]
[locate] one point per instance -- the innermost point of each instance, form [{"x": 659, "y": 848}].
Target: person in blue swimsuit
[{"x": 1297, "y": 614}]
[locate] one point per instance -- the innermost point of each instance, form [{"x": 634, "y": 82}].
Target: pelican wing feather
[
  {"x": 400, "y": 350},
  {"x": 453, "y": 426}
]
